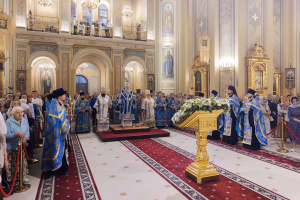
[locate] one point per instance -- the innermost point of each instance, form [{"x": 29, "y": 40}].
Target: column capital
[
  {"x": 22, "y": 41},
  {"x": 116, "y": 48},
  {"x": 65, "y": 44}
]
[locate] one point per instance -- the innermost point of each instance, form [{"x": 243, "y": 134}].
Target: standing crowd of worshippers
[{"x": 22, "y": 116}]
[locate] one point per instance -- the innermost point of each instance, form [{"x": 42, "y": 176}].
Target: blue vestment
[
  {"x": 235, "y": 108},
  {"x": 57, "y": 129},
  {"x": 173, "y": 106},
  {"x": 116, "y": 116},
  {"x": 127, "y": 105},
  {"x": 136, "y": 107},
  {"x": 82, "y": 119},
  {"x": 259, "y": 124},
  {"x": 160, "y": 112}
]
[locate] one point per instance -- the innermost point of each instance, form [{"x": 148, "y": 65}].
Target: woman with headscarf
[
  {"x": 266, "y": 112},
  {"x": 274, "y": 113},
  {"x": 17, "y": 128},
  {"x": 14, "y": 103},
  {"x": 282, "y": 111},
  {"x": 294, "y": 121}
]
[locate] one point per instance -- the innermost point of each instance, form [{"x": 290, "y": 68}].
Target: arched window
[
  {"x": 86, "y": 15},
  {"x": 73, "y": 10},
  {"x": 81, "y": 79},
  {"x": 81, "y": 84},
  {"x": 103, "y": 14}
]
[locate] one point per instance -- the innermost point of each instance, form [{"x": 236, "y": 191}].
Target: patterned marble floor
[{"x": 120, "y": 174}]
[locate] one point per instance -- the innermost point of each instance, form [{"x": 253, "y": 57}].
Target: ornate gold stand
[
  {"x": 200, "y": 170},
  {"x": 201, "y": 121}
]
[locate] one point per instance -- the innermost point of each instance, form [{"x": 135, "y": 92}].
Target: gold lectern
[{"x": 201, "y": 170}]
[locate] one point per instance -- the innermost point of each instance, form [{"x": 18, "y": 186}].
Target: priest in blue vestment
[
  {"x": 82, "y": 111},
  {"x": 55, "y": 152},
  {"x": 126, "y": 105},
  {"x": 136, "y": 107},
  {"x": 231, "y": 118},
  {"x": 160, "y": 111},
  {"x": 116, "y": 107},
  {"x": 254, "y": 132},
  {"x": 172, "y": 106}
]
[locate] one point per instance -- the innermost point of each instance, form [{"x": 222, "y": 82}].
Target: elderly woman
[
  {"x": 3, "y": 157},
  {"x": 294, "y": 121},
  {"x": 17, "y": 128},
  {"x": 266, "y": 112},
  {"x": 14, "y": 103}
]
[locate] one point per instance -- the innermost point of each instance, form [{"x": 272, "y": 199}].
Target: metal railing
[
  {"x": 134, "y": 33},
  {"x": 43, "y": 24}
]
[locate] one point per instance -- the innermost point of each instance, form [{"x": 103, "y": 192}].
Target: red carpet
[
  {"x": 171, "y": 165},
  {"x": 77, "y": 184},
  {"x": 110, "y": 136},
  {"x": 275, "y": 158}
]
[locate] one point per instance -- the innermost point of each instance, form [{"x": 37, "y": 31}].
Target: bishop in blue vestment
[
  {"x": 126, "y": 103},
  {"x": 173, "y": 106},
  {"x": 160, "y": 111},
  {"x": 82, "y": 110},
  {"x": 254, "y": 132}
]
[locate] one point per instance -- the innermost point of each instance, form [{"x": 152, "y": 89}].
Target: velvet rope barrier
[
  {"x": 44, "y": 128},
  {"x": 291, "y": 131},
  {"x": 274, "y": 129},
  {"x": 15, "y": 176},
  {"x": 25, "y": 152}
]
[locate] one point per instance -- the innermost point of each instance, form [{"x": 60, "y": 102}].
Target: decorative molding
[
  {"x": 117, "y": 65},
  {"x": 76, "y": 49},
  {"x": 43, "y": 47},
  {"x": 65, "y": 70},
  {"x": 21, "y": 46},
  {"x": 65, "y": 49},
  {"x": 65, "y": 10},
  {"x": 107, "y": 51},
  {"x": 129, "y": 53},
  {"x": 21, "y": 60},
  {"x": 20, "y": 7}
]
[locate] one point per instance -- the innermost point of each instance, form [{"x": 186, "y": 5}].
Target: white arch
[
  {"x": 38, "y": 54},
  {"x": 88, "y": 52},
  {"x": 135, "y": 59}
]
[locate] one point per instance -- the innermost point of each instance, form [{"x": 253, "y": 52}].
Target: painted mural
[
  {"x": 168, "y": 63},
  {"x": 167, "y": 19}
]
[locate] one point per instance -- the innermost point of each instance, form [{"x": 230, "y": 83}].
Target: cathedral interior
[{"x": 184, "y": 47}]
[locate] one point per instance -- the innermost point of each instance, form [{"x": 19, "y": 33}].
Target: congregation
[{"x": 43, "y": 119}]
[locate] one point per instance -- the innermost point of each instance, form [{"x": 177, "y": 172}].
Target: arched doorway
[
  {"x": 43, "y": 75},
  {"x": 134, "y": 74},
  {"x": 82, "y": 84},
  {"x": 88, "y": 72}
]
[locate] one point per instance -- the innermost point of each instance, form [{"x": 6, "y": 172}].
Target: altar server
[
  {"x": 116, "y": 107},
  {"x": 173, "y": 107},
  {"x": 214, "y": 94},
  {"x": 102, "y": 106},
  {"x": 160, "y": 111},
  {"x": 254, "y": 126},
  {"x": 55, "y": 152},
  {"x": 136, "y": 108},
  {"x": 231, "y": 118},
  {"x": 148, "y": 110},
  {"x": 82, "y": 109}
]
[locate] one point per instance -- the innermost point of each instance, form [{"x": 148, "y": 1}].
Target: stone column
[
  {"x": 20, "y": 66},
  {"x": 118, "y": 19},
  {"x": 150, "y": 62},
  {"x": 268, "y": 37},
  {"x": 65, "y": 17},
  {"x": 64, "y": 57},
  {"x": 117, "y": 59}
]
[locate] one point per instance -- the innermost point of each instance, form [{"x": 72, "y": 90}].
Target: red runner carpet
[
  {"x": 78, "y": 184},
  {"x": 275, "y": 158},
  {"x": 171, "y": 165}
]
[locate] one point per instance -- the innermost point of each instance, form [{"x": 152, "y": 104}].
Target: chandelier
[
  {"x": 45, "y": 3},
  {"x": 89, "y": 4},
  {"x": 127, "y": 12},
  {"x": 45, "y": 66},
  {"x": 83, "y": 66}
]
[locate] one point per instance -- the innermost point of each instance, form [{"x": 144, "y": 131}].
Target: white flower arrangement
[{"x": 205, "y": 104}]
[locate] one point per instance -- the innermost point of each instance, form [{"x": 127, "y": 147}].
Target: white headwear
[
  {"x": 147, "y": 92},
  {"x": 24, "y": 106},
  {"x": 15, "y": 109},
  {"x": 23, "y": 101},
  {"x": 127, "y": 84},
  {"x": 103, "y": 89}
]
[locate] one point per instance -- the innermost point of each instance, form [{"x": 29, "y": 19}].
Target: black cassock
[
  {"x": 254, "y": 141},
  {"x": 233, "y": 138}
]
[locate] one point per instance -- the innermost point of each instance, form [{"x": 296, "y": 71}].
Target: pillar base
[{"x": 202, "y": 174}]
